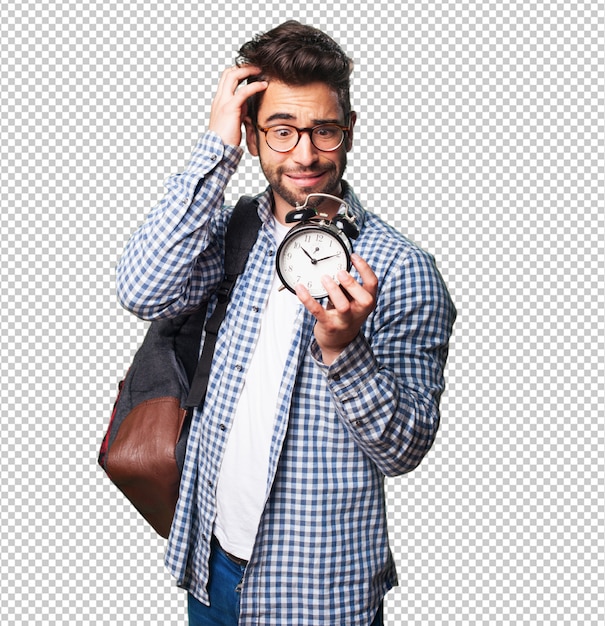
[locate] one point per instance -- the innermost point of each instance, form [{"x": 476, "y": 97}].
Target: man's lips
[{"x": 308, "y": 179}]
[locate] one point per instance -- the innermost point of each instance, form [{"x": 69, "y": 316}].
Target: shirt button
[
  {"x": 222, "y": 427},
  {"x": 271, "y": 252},
  {"x": 336, "y": 377},
  {"x": 213, "y": 157},
  {"x": 255, "y": 309},
  {"x": 238, "y": 368}
]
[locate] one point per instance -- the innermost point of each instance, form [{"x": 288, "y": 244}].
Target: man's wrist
[{"x": 328, "y": 356}]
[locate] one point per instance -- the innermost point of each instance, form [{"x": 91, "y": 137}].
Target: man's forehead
[
  {"x": 315, "y": 102},
  {"x": 288, "y": 117}
]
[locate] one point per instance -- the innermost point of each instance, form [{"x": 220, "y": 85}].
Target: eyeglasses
[{"x": 325, "y": 137}]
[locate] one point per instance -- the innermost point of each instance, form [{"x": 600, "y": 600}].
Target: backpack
[{"x": 143, "y": 450}]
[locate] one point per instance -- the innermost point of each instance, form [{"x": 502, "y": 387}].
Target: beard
[{"x": 332, "y": 174}]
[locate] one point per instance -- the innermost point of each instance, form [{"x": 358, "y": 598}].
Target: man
[{"x": 281, "y": 516}]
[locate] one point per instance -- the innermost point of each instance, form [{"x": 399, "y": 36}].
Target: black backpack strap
[{"x": 241, "y": 234}]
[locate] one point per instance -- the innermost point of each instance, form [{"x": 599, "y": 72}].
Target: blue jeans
[{"x": 223, "y": 588}]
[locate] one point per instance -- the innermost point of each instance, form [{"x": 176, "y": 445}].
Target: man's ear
[
  {"x": 349, "y": 140},
  {"x": 251, "y": 136}
]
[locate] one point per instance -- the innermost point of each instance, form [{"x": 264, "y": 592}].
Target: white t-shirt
[{"x": 242, "y": 484}]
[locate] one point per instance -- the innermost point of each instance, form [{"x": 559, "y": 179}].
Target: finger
[
  {"x": 358, "y": 293},
  {"x": 233, "y": 76},
  {"x": 245, "y": 91},
  {"x": 339, "y": 299},
  {"x": 248, "y": 68},
  {"x": 239, "y": 74},
  {"x": 366, "y": 273},
  {"x": 310, "y": 303}
]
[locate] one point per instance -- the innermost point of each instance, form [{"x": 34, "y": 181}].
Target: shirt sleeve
[
  {"x": 387, "y": 383},
  {"x": 174, "y": 259}
]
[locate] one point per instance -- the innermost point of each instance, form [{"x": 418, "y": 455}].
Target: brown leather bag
[
  {"x": 145, "y": 468},
  {"x": 144, "y": 447}
]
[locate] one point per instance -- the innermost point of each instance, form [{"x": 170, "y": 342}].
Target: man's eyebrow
[
  {"x": 289, "y": 117},
  {"x": 279, "y": 116}
]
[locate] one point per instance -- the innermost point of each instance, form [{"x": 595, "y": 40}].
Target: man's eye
[
  {"x": 326, "y": 132},
  {"x": 282, "y": 132}
]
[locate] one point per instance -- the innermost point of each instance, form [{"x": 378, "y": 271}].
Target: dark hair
[{"x": 296, "y": 54}]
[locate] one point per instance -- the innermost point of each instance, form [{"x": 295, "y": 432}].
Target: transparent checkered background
[{"x": 480, "y": 135}]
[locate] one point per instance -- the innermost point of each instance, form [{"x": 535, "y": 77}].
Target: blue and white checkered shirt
[{"x": 322, "y": 554}]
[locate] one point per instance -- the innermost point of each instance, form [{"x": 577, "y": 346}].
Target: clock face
[{"x": 309, "y": 252}]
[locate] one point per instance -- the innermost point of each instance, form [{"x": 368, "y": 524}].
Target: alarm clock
[{"x": 316, "y": 246}]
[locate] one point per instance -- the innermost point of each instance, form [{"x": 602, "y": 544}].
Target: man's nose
[{"x": 305, "y": 152}]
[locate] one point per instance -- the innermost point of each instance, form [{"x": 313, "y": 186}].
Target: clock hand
[
  {"x": 325, "y": 258},
  {"x": 314, "y": 261}
]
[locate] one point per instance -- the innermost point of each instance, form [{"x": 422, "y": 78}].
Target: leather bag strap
[{"x": 241, "y": 234}]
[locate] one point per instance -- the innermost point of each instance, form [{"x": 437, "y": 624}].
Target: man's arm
[
  {"x": 159, "y": 273},
  {"x": 386, "y": 386},
  {"x": 174, "y": 260}
]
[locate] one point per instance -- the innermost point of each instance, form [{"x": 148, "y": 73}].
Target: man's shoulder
[
  {"x": 374, "y": 230},
  {"x": 385, "y": 240}
]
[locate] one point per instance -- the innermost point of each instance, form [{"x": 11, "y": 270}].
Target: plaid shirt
[{"x": 322, "y": 554}]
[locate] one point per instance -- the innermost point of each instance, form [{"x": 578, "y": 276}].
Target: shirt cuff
[
  {"x": 349, "y": 373},
  {"x": 210, "y": 151}
]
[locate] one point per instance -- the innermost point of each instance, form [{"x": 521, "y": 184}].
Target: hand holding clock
[{"x": 339, "y": 323}]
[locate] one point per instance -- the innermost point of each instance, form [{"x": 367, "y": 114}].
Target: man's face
[{"x": 305, "y": 169}]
